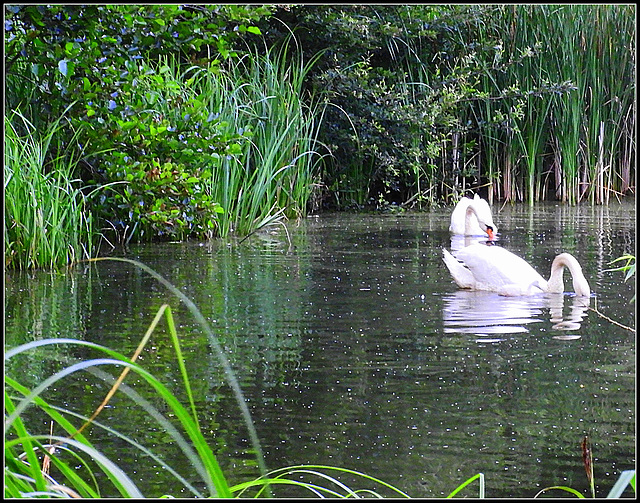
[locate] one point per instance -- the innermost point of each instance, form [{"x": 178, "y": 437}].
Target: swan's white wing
[
  {"x": 496, "y": 269},
  {"x": 461, "y": 275}
]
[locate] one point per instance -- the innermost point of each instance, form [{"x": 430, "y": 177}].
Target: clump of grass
[
  {"x": 27, "y": 479},
  {"x": 275, "y": 174},
  {"x": 46, "y": 223}
]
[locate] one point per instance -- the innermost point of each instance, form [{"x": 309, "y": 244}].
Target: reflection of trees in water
[{"x": 489, "y": 314}]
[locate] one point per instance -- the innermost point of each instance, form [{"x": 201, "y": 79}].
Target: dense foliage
[
  {"x": 146, "y": 137},
  {"x": 431, "y": 100}
]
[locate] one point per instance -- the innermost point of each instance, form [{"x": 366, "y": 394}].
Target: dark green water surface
[{"x": 354, "y": 348}]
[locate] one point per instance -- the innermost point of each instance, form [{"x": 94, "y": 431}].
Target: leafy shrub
[
  {"x": 164, "y": 141},
  {"x": 153, "y": 134}
]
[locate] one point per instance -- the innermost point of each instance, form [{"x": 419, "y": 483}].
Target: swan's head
[
  {"x": 489, "y": 231},
  {"x": 480, "y": 208},
  {"x": 488, "y": 227}
]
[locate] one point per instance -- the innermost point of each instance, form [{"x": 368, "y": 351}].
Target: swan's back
[{"x": 498, "y": 270}]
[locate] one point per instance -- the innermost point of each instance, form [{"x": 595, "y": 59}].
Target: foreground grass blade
[
  {"x": 211, "y": 472},
  {"x": 627, "y": 477},
  {"x": 280, "y": 476},
  {"x": 479, "y": 476},
  {"x": 213, "y": 340},
  {"x": 560, "y": 488},
  {"x": 121, "y": 480}
]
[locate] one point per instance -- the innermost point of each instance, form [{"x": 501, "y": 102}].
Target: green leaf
[{"x": 234, "y": 149}]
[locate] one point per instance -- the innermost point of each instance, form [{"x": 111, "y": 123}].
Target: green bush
[
  {"x": 155, "y": 135},
  {"x": 87, "y": 50},
  {"x": 165, "y": 141}
]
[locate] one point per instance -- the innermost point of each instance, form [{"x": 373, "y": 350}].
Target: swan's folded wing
[
  {"x": 461, "y": 275},
  {"x": 496, "y": 269}
]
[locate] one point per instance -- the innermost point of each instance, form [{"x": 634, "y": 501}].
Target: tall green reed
[
  {"x": 611, "y": 107},
  {"x": 594, "y": 50},
  {"x": 276, "y": 172},
  {"x": 47, "y": 223},
  {"x": 572, "y": 142}
]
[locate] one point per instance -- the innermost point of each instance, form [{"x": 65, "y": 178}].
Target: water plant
[
  {"x": 572, "y": 141},
  {"x": 46, "y": 222},
  {"x": 263, "y": 97},
  {"x": 629, "y": 268}
]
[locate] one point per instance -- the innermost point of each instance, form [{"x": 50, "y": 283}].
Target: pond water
[{"x": 354, "y": 348}]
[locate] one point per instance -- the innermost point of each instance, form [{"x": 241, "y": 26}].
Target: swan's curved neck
[
  {"x": 556, "y": 284},
  {"x": 469, "y": 216}
]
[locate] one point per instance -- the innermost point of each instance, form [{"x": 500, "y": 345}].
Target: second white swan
[
  {"x": 492, "y": 268},
  {"x": 472, "y": 217}
]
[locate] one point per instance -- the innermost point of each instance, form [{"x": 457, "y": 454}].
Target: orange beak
[{"x": 490, "y": 232}]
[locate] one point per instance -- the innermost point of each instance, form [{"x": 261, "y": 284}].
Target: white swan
[
  {"x": 492, "y": 268},
  {"x": 472, "y": 217}
]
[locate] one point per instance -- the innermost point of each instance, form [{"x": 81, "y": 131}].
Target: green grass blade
[
  {"x": 560, "y": 488},
  {"x": 121, "y": 480},
  {"x": 479, "y": 476},
  {"x": 233, "y": 382}
]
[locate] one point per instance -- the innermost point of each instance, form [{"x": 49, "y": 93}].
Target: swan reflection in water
[
  {"x": 458, "y": 241},
  {"x": 489, "y": 315}
]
